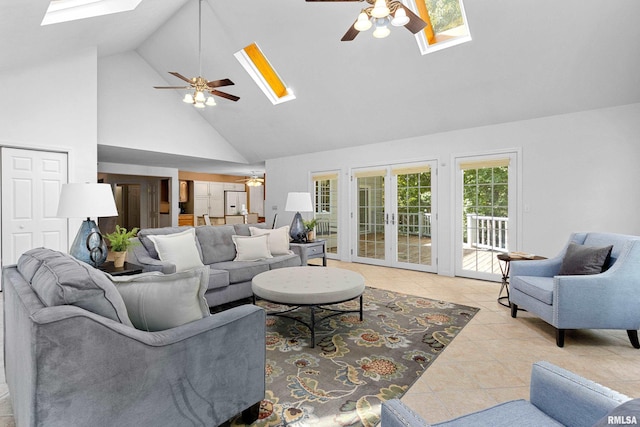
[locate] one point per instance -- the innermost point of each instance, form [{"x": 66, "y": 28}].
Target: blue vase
[{"x": 89, "y": 246}]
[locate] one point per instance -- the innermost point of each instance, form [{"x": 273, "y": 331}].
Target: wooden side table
[
  {"x": 127, "y": 270},
  {"x": 504, "y": 269},
  {"x": 309, "y": 250}
]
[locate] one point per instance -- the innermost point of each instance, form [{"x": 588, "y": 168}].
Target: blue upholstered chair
[
  {"x": 557, "y": 398},
  {"x": 605, "y": 300}
]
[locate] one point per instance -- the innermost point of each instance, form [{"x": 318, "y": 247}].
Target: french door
[
  {"x": 394, "y": 216},
  {"x": 486, "y": 220}
]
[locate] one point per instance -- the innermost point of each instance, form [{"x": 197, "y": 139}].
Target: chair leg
[
  {"x": 633, "y": 337},
  {"x": 251, "y": 414},
  {"x": 560, "y": 337},
  {"x": 514, "y": 310}
]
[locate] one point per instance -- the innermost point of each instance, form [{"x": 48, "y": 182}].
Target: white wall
[
  {"x": 53, "y": 107},
  {"x": 579, "y": 173},
  {"x": 135, "y": 115}
]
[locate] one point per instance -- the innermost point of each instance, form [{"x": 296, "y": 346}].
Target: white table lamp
[{"x": 87, "y": 201}]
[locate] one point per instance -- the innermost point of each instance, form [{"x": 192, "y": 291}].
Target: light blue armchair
[
  {"x": 607, "y": 300},
  {"x": 557, "y": 398}
]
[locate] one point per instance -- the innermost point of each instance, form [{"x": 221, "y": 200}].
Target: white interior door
[{"x": 31, "y": 184}]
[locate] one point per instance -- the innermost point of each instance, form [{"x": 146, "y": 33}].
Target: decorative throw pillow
[
  {"x": 251, "y": 248},
  {"x": 582, "y": 260},
  {"x": 179, "y": 249},
  {"x": 157, "y": 301},
  {"x": 60, "y": 279},
  {"x": 626, "y": 412},
  {"x": 278, "y": 239}
]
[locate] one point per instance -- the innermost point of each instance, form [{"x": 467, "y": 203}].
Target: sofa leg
[
  {"x": 514, "y": 310},
  {"x": 633, "y": 337},
  {"x": 560, "y": 337},
  {"x": 251, "y": 414}
]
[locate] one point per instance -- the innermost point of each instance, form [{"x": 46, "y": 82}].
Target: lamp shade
[
  {"x": 86, "y": 200},
  {"x": 299, "y": 202}
]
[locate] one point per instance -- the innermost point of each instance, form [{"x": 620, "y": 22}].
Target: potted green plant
[
  {"x": 310, "y": 226},
  {"x": 120, "y": 241}
]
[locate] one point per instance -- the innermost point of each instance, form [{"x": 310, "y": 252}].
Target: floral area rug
[{"x": 355, "y": 365}]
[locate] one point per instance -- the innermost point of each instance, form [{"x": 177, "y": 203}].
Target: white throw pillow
[
  {"x": 278, "y": 239},
  {"x": 179, "y": 249},
  {"x": 251, "y": 248},
  {"x": 157, "y": 301}
]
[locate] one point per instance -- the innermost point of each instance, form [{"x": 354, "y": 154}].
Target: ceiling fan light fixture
[
  {"x": 199, "y": 97},
  {"x": 188, "y": 98},
  {"x": 210, "y": 101},
  {"x": 198, "y": 104},
  {"x": 363, "y": 23},
  {"x": 380, "y": 9},
  {"x": 382, "y": 30},
  {"x": 400, "y": 19}
]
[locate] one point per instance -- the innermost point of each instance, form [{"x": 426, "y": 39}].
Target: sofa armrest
[
  {"x": 570, "y": 398},
  {"x": 209, "y": 369},
  {"x": 138, "y": 255},
  {"x": 540, "y": 268},
  {"x": 397, "y": 414}
]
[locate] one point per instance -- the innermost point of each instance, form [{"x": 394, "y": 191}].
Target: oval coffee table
[{"x": 312, "y": 287}]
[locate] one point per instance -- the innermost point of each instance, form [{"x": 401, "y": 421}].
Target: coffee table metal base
[{"x": 312, "y": 308}]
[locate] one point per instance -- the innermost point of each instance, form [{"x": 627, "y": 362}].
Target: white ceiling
[{"x": 527, "y": 59}]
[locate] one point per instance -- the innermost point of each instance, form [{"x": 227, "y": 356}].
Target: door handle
[
  {"x": 393, "y": 219},
  {"x": 386, "y": 218}
]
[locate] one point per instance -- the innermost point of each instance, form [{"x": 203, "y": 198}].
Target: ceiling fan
[
  {"x": 199, "y": 84},
  {"x": 253, "y": 180},
  {"x": 380, "y": 14}
]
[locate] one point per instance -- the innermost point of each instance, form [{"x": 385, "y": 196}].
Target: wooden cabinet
[{"x": 185, "y": 219}]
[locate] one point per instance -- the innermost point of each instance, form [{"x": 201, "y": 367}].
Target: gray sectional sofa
[{"x": 229, "y": 280}]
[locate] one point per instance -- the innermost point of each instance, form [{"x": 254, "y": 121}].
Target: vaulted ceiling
[{"x": 527, "y": 59}]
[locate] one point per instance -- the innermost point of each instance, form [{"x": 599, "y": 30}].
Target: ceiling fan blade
[
  {"x": 225, "y": 95},
  {"x": 180, "y": 76},
  {"x": 415, "y": 23},
  {"x": 218, "y": 83},
  {"x": 172, "y": 87},
  {"x": 350, "y": 34}
]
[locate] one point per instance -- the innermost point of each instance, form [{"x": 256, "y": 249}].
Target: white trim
[{"x": 257, "y": 77}]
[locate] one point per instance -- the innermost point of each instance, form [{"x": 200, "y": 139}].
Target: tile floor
[{"x": 490, "y": 360}]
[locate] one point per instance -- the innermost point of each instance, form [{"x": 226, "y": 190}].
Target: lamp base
[
  {"x": 297, "y": 231},
  {"x": 88, "y": 246}
]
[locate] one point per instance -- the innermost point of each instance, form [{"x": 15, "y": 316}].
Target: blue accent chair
[
  {"x": 607, "y": 300},
  {"x": 557, "y": 398}
]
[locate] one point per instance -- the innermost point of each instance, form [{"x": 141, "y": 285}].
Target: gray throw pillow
[
  {"x": 583, "y": 260},
  {"x": 60, "y": 279},
  {"x": 626, "y": 413}
]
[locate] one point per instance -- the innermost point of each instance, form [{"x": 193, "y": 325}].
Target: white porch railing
[
  {"x": 417, "y": 224},
  {"x": 487, "y": 232}
]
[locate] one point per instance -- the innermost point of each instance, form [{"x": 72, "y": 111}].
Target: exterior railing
[
  {"x": 487, "y": 232},
  {"x": 417, "y": 224}
]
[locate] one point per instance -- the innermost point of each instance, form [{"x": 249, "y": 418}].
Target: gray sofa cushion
[
  {"x": 218, "y": 278},
  {"x": 242, "y": 271},
  {"x": 59, "y": 279},
  {"x": 281, "y": 261},
  {"x": 148, "y": 244},
  {"x": 216, "y": 243},
  {"x": 243, "y": 229}
]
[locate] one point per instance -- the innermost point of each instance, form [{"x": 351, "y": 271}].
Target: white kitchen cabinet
[{"x": 208, "y": 198}]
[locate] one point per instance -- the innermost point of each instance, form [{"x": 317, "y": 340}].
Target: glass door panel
[
  {"x": 326, "y": 210},
  {"x": 413, "y": 219},
  {"x": 486, "y": 219},
  {"x": 371, "y": 220}
]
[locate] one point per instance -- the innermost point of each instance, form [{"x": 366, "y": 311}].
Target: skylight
[
  {"x": 263, "y": 73},
  {"x": 446, "y": 24},
  {"x": 71, "y": 10}
]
